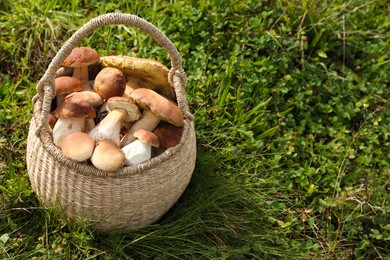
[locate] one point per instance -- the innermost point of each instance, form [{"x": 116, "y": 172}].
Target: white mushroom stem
[
  {"x": 65, "y": 126},
  {"x": 137, "y": 152},
  {"x": 148, "y": 121},
  {"x": 132, "y": 83},
  {"x": 82, "y": 74},
  {"x": 109, "y": 128}
]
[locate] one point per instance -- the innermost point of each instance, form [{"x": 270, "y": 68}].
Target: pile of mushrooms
[{"x": 113, "y": 111}]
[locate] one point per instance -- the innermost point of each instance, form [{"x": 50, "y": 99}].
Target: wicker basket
[{"x": 130, "y": 198}]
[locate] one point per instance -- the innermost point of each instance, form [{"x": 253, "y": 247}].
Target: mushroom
[
  {"x": 110, "y": 82},
  {"x": 78, "y": 146},
  {"x": 107, "y": 156},
  {"x": 93, "y": 98},
  {"x": 121, "y": 109},
  {"x": 169, "y": 135},
  {"x": 140, "y": 150},
  {"x": 132, "y": 83},
  {"x": 79, "y": 59},
  {"x": 156, "y": 108},
  {"x": 65, "y": 85},
  {"x": 70, "y": 118}
]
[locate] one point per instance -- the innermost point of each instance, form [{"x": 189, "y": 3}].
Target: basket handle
[{"x": 46, "y": 89}]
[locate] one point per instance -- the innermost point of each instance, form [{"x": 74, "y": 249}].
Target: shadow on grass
[{"x": 214, "y": 218}]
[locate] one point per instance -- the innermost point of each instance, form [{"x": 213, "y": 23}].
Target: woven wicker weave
[{"x": 130, "y": 198}]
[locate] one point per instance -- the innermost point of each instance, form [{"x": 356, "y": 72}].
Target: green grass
[{"x": 292, "y": 120}]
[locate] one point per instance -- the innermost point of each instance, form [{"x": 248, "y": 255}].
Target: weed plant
[{"x": 290, "y": 100}]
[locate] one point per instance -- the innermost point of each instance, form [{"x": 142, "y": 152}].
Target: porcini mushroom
[
  {"x": 156, "y": 108},
  {"x": 91, "y": 97},
  {"x": 107, "y": 156},
  {"x": 65, "y": 85},
  {"x": 132, "y": 83},
  {"x": 79, "y": 59},
  {"x": 121, "y": 109},
  {"x": 110, "y": 82},
  {"x": 70, "y": 118},
  {"x": 140, "y": 150},
  {"x": 78, "y": 146},
  {"x": 169, "y": 135}
]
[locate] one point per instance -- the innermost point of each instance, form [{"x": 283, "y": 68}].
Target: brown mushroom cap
[
  {"x": 67, "y": 84},
  {"x": 133, "y": 112},
  {"x": 107, "y": 156},
  {"x": 110, "y": 82},
  {"x": 162, "y": 107},
  {"x": 75, "y": 110},
  {"x": 80, "y": 57},
  {"x": 78, "y": 146},
  {"x": 91, "y": 97},
  {"x": 169, "y": 135},
  {"x": 147, "y": 137}
]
